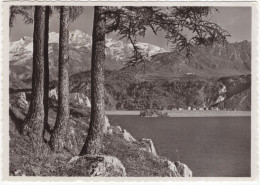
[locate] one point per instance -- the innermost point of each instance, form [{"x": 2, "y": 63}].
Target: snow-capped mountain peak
[
  {"x": 21, "y": 52},
  {"x": 79, "y": 39},
  {"x": 148, "y": 48}
]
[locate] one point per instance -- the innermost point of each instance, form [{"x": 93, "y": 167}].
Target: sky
[{"x": 236, "y": 20}]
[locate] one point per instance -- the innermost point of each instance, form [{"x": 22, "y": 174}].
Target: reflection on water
[{"x": 211, "y": 147}]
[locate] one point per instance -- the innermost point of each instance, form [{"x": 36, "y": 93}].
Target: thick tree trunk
[
  {"x": 60, "y": 128},
  {"x": 93, "y": 143},
  {"x": 33, "y": 123},
  {"x": 46, "y": 69}
]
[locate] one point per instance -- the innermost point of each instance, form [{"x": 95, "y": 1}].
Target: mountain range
[
  {"x": 219, "y": 60},
  {"x": 20, "y": 54},
  {"x": 159, "y": 81}
]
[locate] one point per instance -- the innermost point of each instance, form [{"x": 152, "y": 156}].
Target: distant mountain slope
[
  {"x": 219, "y": 60},
  {"x": 124, "y": 92}
]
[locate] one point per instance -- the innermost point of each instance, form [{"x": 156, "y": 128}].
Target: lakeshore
[{"x": 188, "y": 113}]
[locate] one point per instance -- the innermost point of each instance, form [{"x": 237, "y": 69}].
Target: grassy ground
[{"x": 24, "y": 160}]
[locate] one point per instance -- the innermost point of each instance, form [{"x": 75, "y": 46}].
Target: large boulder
[
  {"x": 149, "y": 146},
  {"x": 79, "y": 99},
  {"x": 101, "y": 165},
  {"x": 183, "y": 169}
]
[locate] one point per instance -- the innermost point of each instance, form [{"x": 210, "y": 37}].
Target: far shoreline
[{"x": 188, "y": 113}]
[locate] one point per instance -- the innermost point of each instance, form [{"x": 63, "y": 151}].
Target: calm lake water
[{"x": 210, "y": 146}]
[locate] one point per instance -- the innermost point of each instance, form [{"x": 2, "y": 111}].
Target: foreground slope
[{"x": 135, "y": 155}]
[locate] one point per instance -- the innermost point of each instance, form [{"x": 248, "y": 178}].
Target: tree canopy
[
  {"x": 27, "y": 13},
  {"x": 184, "y": 27}
]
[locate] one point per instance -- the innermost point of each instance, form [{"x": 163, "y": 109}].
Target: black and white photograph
[{"x": 121, "y": 90}]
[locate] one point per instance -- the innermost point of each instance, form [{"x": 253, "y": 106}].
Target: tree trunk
[
  {"x": 60, "y": 128},
  {"x": 33, "y": 123},
  {"x": 46, "y": 70},
  {"x": 93, "y": 143}
]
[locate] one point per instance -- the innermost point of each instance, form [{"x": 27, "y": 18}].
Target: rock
[
  {"x": 222, "y": 89},
  {"x": 72, "y": 141},
  {"x": 87, "y": 101},
  {"x": 183, "y": 169},
  {"x": 53, "y": 94},
  {"x": 119, "y": 128},
  {"x": 150, "y": 146},
  {"x": 21, "y": 95},
  {"x": 102, "y": 165},
  {"x": 79, "y": 99},
  {"x": 36, "y": 170},
  {"x": 22, "y": 102},
  {"x": 18, "y": 173},
  {"x": 127, "y": 136},
  {"x": 171, "y": 166},
  {"x": 106, "y": 125},
  {"x": 110, "y": 131},
  {"x": 73, "y": 159},
  {"x": 107, "y": 167},
  {"x": 220, "y": 99},
  {"x": 46, "y": 136}
]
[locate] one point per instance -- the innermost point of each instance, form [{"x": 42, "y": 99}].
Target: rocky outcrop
[
  {"x": 183, "y": 169},
  {"x": 119, "y": 128},
  {"x": 106, "y": 125},
  {"x": 149, "y": 146},
  {"x": 101, "y": 165},
  {"x": 172, "y": 168},
  {"x": 128, "y": 137},
  {"x": 53, "y": 94},
  {"x": 22, "y": 102},
  {"x": 79, "y": 99}
]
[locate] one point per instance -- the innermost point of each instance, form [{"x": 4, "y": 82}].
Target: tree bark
[
  {"x": 46, "y": 70},
  {"x": 60, "y": 128},
  {"x": 33, "y": 123},
  {"x": 93, "y": 143}
]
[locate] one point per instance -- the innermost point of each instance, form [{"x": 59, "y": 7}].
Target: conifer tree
[
  {"x": 33, "y": 124},
  {"x": 131, "y": 23},
  {"x": 60, "y": 131}
]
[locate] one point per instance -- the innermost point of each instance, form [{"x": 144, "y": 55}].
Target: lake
[{"x": 210, "y": 146}]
